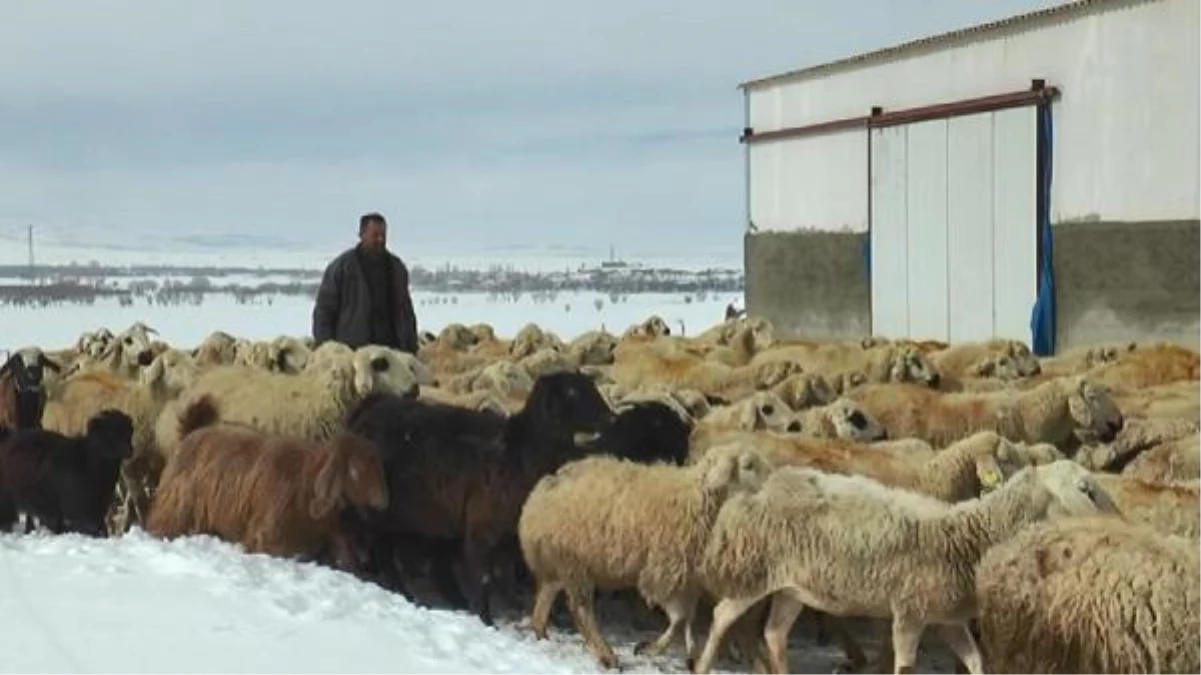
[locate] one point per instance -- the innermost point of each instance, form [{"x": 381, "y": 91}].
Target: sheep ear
[
  {"x": 50, "y": 363},
  {"x": 327, "y": 488},
  {"x": 989, "y": 473},
  {"x": 985, "y": 367}
]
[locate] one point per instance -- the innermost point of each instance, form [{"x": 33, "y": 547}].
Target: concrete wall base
[
  {"x": 1114, "y": 282},
  {"x": 810, "y": 285},
  {"x": 1127, "y": 282}
]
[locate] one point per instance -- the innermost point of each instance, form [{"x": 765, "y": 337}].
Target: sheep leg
[
  {"x": 784, "y": 610},
  {"x": 856, "y": 660},
  {"x": 477, "y": 554},
  {"x": 579, "y": 602},
  {"x": 544, "y": 602},
  {"x": 906, "y": 636},
  {"x": 680, "y": 611},
  {"x": 960, "y": 640},
  {"x": 725, "y": 613}
]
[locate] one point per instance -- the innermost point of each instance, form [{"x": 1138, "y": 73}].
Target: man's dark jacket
[{"x": 342, "y": 311}]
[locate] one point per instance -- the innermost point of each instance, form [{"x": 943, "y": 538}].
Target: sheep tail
[{"x": 198, "y": 414}]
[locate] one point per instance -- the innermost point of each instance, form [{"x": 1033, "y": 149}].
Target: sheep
[
  {"x": 593, "y": 348},
  {"x": 607, "y": 523},
  {"x": 273, "y": 494},
  {"x": 1080, "y": 360},
  {"x": 1176, "y": 400},
  {"x": 85, "y": 394},
  {"x": 675, "y": 368},
  {"x": 129, "y": 351},
  {"x": 1149, "y": 366},
  {"x": 646, "y": 432},
  {"x": 22, "y": 394},
  {"x": 217, "y": 349},
  {"x": 842, "y": 419},
  {"x": 1169, "y": 508},
  {"x": 962, "y": 471},
  {"x": 811, "y": 538},
  {"x": 654, "y": 326},
  {"x": 458, "y": 474},
  {"x": 170, "y": 373},
  {"x": 1052, "y": 412},
  {"x": 65, "y": 481},
  {"x": 312, "y": 405},
  {"x": 326, "y": 353},
  {"x": 503, "y": 378},
  {"x": 997, "y": 358},
  {"x": 804, "y": 391},
  {"x": 1176, "y": 460},
  {"x": 287, "y": 354},
  {"x": 1090, "y": 595},
  {"x": 1136, "y": 436},
  {"x": 532, "y": 338},
  {"x": 547, "y": 360},
  {"x": 844, "y": 365}
]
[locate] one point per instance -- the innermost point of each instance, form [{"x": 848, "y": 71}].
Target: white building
[{"x": 938, "y": 152}]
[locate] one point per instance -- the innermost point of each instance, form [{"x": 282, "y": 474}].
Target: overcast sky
[{"x": 470, "y": 125}]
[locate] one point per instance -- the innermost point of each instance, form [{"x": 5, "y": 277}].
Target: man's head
[{"x": 373, "y": 232}]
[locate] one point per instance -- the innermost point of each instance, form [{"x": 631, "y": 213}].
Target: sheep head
[
  {"x": 27, "y": 368},
  {"x": 110, "y": 435},
  {"x": 571, "y": 401},
  {"x": 1024, "y": 360},
  {"x": 1072, "y": 489},
  {"x": 131, "y": 348},
  {"x": 171, "y": 371},
  {"x": 287, "y": 354},
  {"x": 909, "y": 364},
  {"x": 732, "y": 467},
  {"x": 762, "y": 410},
  {"x": 772, "y": 373},
  {"x": 853, "y": 422},
  {"x": 456, "y": 336},
  {"x": 386, "y": 370},
  {"x": 1094, "y": 413},
  {"x": 351, "y": 473},
  {"x": 805, "y": 391},
  {"x": 504, "y": 378}
]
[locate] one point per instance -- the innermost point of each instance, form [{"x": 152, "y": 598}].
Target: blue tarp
[{"x": 1042, "y": 318}]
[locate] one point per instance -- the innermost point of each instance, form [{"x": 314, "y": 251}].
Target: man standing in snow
[{"x": 364, "y": 294}]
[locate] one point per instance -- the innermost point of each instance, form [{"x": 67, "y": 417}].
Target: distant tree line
[{"x": 83, "y": 284}]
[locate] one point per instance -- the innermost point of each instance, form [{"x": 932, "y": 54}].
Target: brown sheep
[
  {"x": 1150, "y": 366},
  {"x": 272, "y": 494}
]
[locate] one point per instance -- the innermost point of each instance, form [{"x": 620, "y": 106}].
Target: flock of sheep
[{"x": 1039, "y": 514}]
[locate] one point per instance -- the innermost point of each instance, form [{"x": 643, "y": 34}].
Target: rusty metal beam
[{"x": 1037, "y": 94}]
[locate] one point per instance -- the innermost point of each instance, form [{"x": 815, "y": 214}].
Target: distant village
[{"x": 45, "y": 285}]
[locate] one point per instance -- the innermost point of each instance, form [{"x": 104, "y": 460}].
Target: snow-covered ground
[
  {"x": 136, "y": 604},
  {"x": 569, "y": 314}
]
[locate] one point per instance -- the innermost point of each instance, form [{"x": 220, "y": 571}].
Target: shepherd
[{"x": 364, "y": 294}]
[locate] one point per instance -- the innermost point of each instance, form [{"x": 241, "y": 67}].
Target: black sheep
[
  {"x": 462, "y": 475},
  {"x": 645, "y": 431},
  {"x": 22, "y": 397},
  {"x": 65, "y": 482}
]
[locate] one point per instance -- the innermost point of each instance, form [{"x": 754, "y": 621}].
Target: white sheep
[
  {"x": 1053, "y": 412},
  {"x": 312, "y": 404},
  {"x": 850, "y": 546},
  {"x": 1090, "y": 595},
  {"x": 607, "y": 523}
]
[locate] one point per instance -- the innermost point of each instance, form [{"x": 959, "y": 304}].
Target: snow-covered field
[
  {"x": 137, "y": 604},
  {"x": 568, "y": 315}
]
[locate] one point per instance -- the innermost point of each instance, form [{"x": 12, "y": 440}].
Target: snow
[
  {"x": 141, "y": 605},
  {"x": 136, "y": 604}
]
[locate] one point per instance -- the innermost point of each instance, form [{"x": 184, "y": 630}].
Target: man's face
[{"x": 374, "y": 236}]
